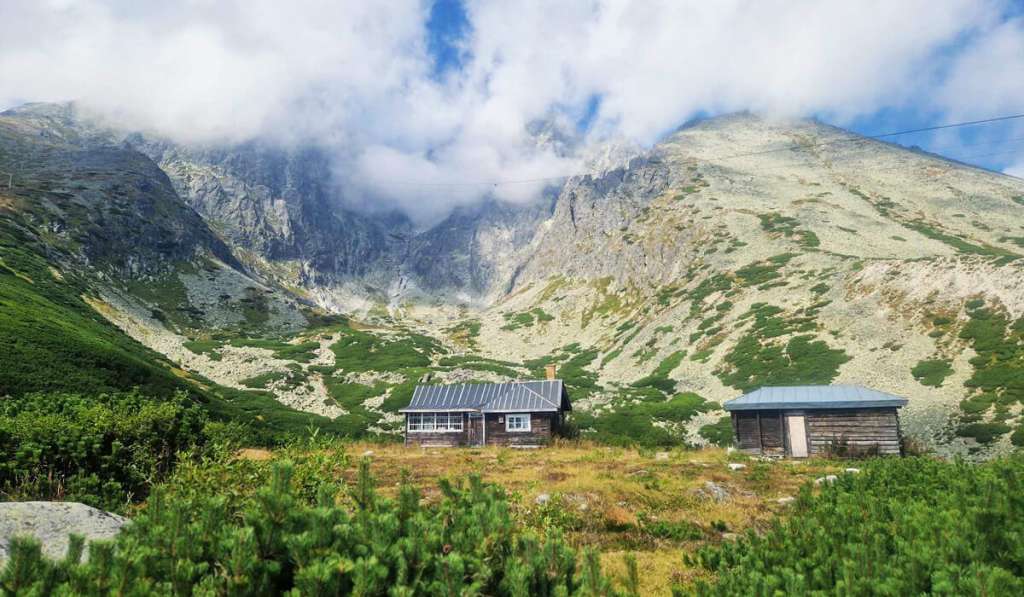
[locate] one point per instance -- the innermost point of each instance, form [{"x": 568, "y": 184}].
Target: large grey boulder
[{"x": 52, "y": 522}]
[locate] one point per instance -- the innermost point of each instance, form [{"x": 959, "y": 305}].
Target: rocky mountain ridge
[{"x": 740, "y": 251}]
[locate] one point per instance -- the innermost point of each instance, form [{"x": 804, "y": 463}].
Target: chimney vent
[{"x": 549, "y": 372}]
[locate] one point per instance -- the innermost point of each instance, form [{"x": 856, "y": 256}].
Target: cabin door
[
  {"x": 796, "y": 431},
  {"x": 476, "y": 429}
]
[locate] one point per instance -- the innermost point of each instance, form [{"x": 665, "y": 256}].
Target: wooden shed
[
  {"x": 801, "y": 421},
  {"x": 524, "y": 414}
]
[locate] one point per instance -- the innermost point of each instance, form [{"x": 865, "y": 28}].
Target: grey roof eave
[
  {"x": 822, "y": 405},
  {"x": 438, "y": 410},
  {"x": 476, "y": 410},
  {"x": 521, "y": 410}
]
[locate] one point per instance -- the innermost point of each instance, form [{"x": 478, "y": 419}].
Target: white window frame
[
  {"x": 435, "y": 422},
  {"x": 525, "y": 417}
]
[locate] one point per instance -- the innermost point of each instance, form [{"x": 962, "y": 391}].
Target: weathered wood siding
[
  {"x": 542, "y": 426},
  {"x": 744, "y": 424},
  {"x": 772, "y": 438},
  {"x": 853, "y": 432},
  {"x": 437, "y": 439}
]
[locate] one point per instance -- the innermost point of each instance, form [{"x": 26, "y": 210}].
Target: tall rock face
[
  {"x": 280, "y": 207},
  {"x": 98, "y": 205},
  {"x": 475, "y": 251}
]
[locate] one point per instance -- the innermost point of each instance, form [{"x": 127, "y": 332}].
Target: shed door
[{"x": 797, "y": 432}]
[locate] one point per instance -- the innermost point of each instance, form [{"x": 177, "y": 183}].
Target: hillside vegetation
[{"x": 592, "y": 520}]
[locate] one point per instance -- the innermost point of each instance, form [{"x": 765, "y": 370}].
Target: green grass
[
  {"x": 932, "y": 372},
  {"x": 760, "y": 358},
  {"x": 208, "y": 347},
  {"x": 465, "y": 333},
  {"x": 51, "y": 340},
  {"x": 526, "y": 319},
  {"x": 263, "y": 380},
  {"x": 302, "y": 352},
  {"x": 760, "y": 272},
  {"x": 359, "y": 351},
  {"x": 998, "y": 368},
  {"x": 573, "y": 368},
  {"x": 958, "y": 243},
  {"x": 635, "y": 424},
  {"x": 790, "y": 228},
  {"x": 503, "y": 368},
  {"x": 719, "y": 433},
  {"x": 659, "y": 378}
]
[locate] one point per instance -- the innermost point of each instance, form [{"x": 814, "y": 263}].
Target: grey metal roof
[
  {"x": 524, "y": 396},
  {"x": 839, "y": 396}
]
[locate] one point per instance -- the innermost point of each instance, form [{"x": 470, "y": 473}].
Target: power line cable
[{"x": 793, "y": 147}]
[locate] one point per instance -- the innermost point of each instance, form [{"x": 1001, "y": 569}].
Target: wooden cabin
[
  {"x": 523, "y": 414},
  {"x": 801, "y": 421}
]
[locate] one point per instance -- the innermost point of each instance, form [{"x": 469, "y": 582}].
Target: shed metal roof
[
  {"x": 516, "y": 396},
  {"x": 839, "y": 396}
]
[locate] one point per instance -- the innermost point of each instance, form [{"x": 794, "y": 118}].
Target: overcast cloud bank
[{"x": 360, "y": 77}]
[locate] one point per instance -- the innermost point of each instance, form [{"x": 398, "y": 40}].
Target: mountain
[{"x": 739, "y": 251}]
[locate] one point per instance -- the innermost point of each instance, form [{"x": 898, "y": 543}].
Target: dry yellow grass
[{"x": 612, "y": 499}]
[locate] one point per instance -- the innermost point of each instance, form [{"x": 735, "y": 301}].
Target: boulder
[
  {"x": 542, "y": 499},
  {"x": 51, "y": 523},
  {"x": 714, "y": 491},
  {"x": 735, "y": 466}
]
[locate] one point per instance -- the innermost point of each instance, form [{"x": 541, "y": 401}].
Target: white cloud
[{"x": 357, "y": 75}]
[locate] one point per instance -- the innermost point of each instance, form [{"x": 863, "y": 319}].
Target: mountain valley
[{"x": 739, "y": 251}]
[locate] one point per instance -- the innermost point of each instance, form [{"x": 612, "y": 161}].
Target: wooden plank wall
[
  {"x": 745, "y": 424},
  {"x": 853, "y": 432},
  {"x": 772, "y": 436},
  {"x": 541, "y": 428}
]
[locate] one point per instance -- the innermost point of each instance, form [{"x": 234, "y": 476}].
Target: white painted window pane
[{"x": 520, "y": 422}]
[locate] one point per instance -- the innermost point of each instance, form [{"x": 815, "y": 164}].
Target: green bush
[
  {"x": 105, "y": 451},
  {"x": 276, "y": 543},
  {"x": 635, "y": 424},
  {"x": 719, "y": 433},
  {"x": 932, "y": 372},
  {"x": 910, "y": 526}
]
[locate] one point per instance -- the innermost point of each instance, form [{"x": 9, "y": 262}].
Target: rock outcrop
[{"x": 52, "y": 522}]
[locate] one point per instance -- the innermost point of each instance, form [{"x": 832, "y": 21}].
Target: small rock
[
  {"x": 367, "y": 453},
  {"x": 661, "y": 455},
  {"x": 729, "y": 536},
  {"x": 716, "y": 492},
  {"x": 786, "y": 500},
  {"x": 735, "y": 466},
  {"x": 730, "y": 450},
  {"x": 51, "y": 523},
  {"x": 852, "y": 471},
  {"x": 542, "y": 499},
  {"x": 826, "y": 479}
]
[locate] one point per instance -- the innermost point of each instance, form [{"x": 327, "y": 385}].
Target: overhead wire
[{"x": 849, "y": 138}]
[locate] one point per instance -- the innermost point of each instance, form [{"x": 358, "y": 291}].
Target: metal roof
[
  {"x": 840, "y": 396},
  {"x": 522, "y": 396}
]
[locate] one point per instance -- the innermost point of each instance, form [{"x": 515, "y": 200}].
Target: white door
[{"x": 797, "y": 432}]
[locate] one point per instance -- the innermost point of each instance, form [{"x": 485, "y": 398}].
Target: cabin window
[
  {"x": 435, "y": 422},
  {"x": 517, "y": 422}
]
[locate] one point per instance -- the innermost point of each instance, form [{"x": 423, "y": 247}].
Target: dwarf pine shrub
[
  {"x": 348, "y": 541},
  {"x": 910, "y": 526}
]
